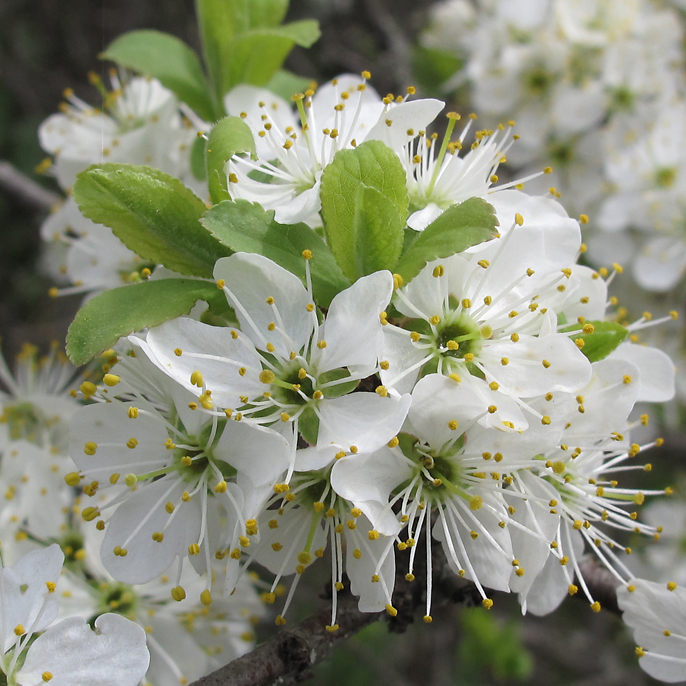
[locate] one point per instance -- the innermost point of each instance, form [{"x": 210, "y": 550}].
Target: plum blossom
[
  {"x": 655, "y": 612},
  {"x": 68, "y": 653},
  {"x": 486, "y": 314},
  {"x": 286, "y": 368},
  {"x": 175, "y": 470},
  {"x": 293, "y": 151}
]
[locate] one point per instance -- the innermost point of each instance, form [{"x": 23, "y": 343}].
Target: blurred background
[{"x": 47, "y": 46}]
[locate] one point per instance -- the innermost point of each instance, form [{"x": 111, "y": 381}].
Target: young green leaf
[
  {"x": 152, "y": 213},
  {"x": 247, "y": 227},
  {"x": 104, "y": 319},
  {"x": 364, "y": 204},
  {"x": 605, "y": 338},
  {"x": 229, "y": 136},
  {"x": 169, "y": 60},
  {"x": 258, "y": 54},
  {"x": 458, "y": 228},
  {"x": 286, "y": 84},
  {"x": 243, "y": 42}
]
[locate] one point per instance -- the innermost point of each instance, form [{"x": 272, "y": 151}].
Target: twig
[
  {"x": 25, "y": 189},
  {"x": 289, "y": 656}
]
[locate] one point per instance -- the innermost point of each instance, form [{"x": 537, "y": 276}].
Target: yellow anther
[
  {"x": 487, "y": 603},
  {"x": 321, "y": 345},
  {"x": 72, "y": 479},
  {"x": 671, "y": 586},
  {"x": 452, "y": 425},
  {"x": 455, "y": 377},
  {"x": 595, "y": 606},
  {"x": 519, "y": 220},
  {"x": 391, "y": 610},
  {"x": 90, "y": 513},
  {"x": 267, "y": 376},
  {"x": 178, "y": 594},
  {"x": 111, "y": 379},
  {"x": 169, "y": 507},
  {"x": 397, "y": 281}
]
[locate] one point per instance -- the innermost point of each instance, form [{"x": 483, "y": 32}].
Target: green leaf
[
  {"x": 198, "y": 159},
  {"x": 104, "y": 319},
  {"x": 258, "y": 54},
  {"x": 168, "y": 59},
  {"x": 247, "y": 227},
  {"x": 229, "y": 136},
  {"x": 364, "y": 204},
  {"x": 458, "y": 228},
  {"x": 243, "y": 42},
  {"x": 605, "y": 338},
  {"x": 152, "y": 213},
  {"x": 287, "y": 84}
]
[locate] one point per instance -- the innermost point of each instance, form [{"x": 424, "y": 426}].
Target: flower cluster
[
  {"x": 397, "y": 352},
  {"x": 597, "y": 89}
]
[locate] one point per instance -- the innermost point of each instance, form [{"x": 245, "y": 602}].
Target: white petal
[
  {"x": 364, "y": 420},
  {"x": 657, "y": 371},
  {"x": 352, "y": 329},
  {"x": 374, "y": 595},
  {"x": 368, "y": 480},
  {"x": 660, "y": 264},
  {"x": 140, "y": 516},
  {"x": 261, "y": 454},
  {"x": 526, "y": 376},
  {"x": 76, "y": 656},
  {"x": 212, "y": 351},
  {"x": 413, "y": 115},
  {"x": 252, "y": 279}
]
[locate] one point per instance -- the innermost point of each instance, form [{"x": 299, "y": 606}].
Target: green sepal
[
  {"x": 229, "y": 136},
  {"x": 104, "y": 319},
  {"x": 198, "y": 168},
  {"x": 308, "y": 425},
  {"x": 243, "y": 226},
  {"x": 339, "y": 389},
  {"x": 169, "y": 60},
  {"x": 152, "y": 213},
  {"x": 458, "y": 228},
  {"x": 365, "y": 206}
]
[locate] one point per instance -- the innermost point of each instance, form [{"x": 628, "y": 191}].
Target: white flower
[
  {"x": 284, "y": 368},
  {"x": 37, "y": 403},
  {"x": 438, "y": 179},
  {"x": 292, "y": 154},
  {"x": 140, "y": 124},
  {"x": 486, "y": 312},
  {"x": 90, "y": 255},
  {"x": 69, "y": 653},
  {"x": 183, "y": 469},
  {"x": 656, "y": 613},
  {"x": 35, "y": 497},
  {"x": 576, "y": 488},
  {"x": 442, "y": 463},
  {"x": 311, "y": 516}
]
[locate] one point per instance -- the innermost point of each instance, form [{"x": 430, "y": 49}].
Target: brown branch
[
  {"x": 25, "y": 189},
  {"x": 287, "y": 658}
]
